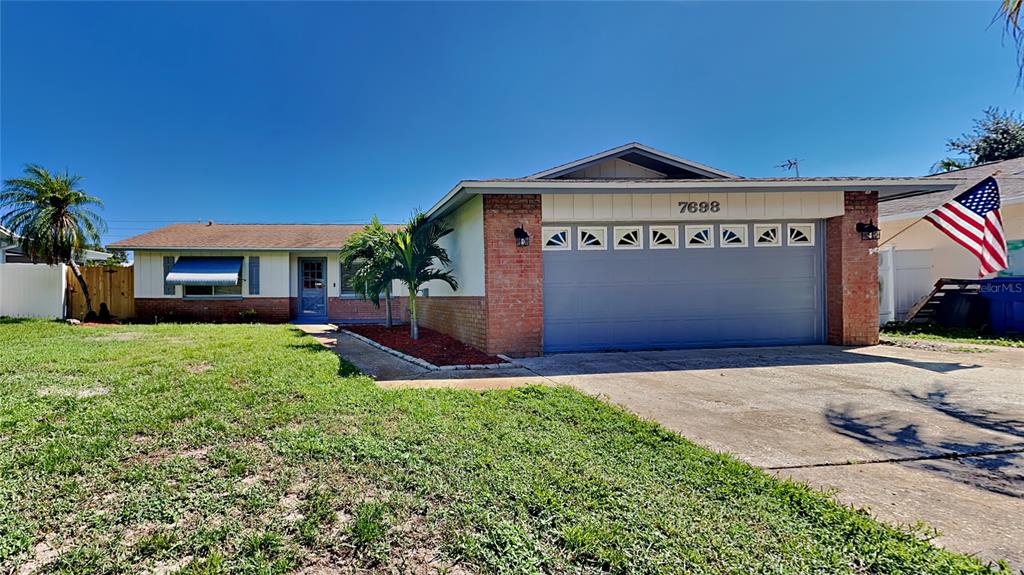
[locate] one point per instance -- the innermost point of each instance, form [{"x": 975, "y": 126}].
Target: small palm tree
[
  {"x": 416, "y": 249},
  {"x": 949, "y": 165},
  {"x": 370, "y": 255},
  {"x": 54, "y": 218}
]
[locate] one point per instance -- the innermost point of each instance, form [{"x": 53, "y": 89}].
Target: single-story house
[
  {"x": 631, "y": 248},
  {"x": 214, "y": 272},
  {"x": 949, "y": 259}
]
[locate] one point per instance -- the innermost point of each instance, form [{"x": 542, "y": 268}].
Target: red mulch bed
[{"x": 437, "y": 348}]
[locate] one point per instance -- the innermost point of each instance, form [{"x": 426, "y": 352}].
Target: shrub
[
  {"x": 105, "y": 316},
  {"x": 249, "y": 316}
]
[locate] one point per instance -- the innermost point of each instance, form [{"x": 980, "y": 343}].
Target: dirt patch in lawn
[
  {"x": 197, "y": 368},
  {"x": 42, "y": 554},
  {"x": 119, "y": 336},
  {"x": 437, "y": 348},
  {"x": 934, "y": 345},
  {"x": 81, "y": 393}
]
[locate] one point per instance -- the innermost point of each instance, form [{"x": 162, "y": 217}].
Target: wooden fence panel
[{"x": 114, "y": 286}]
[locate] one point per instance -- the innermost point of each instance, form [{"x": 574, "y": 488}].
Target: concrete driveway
[{"x": 930, "y": 433}]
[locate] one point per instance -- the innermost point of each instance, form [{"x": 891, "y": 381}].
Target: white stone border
[{"x": 426, "y": 364}]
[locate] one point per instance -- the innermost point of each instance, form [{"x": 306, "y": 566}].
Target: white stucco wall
[
  {"x": 149, "y": 272},
  {"x": 465, "y": 247},
  {"x": 641, "y": 207}
]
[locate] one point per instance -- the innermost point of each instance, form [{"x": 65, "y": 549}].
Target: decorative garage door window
[
  {"x": 700, "y": 236},
  {"x": 733, "y": 235},
  {"x": 629, "y": 238},
  {"x": 800, "y": 235},
  {"x": 592, "y": 238},
  {"x": 766, "y": 235},
  {"x": 664, "y": 237},
  {"x": 556, "y": 238}
]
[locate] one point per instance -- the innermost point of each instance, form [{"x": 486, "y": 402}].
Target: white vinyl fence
[
  {"x": 904, "y": 276},
  {"x": 31, "y": 290}
]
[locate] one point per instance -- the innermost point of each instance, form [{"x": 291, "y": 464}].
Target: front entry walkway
[
  {"x": 394, "y": 372},
  {"x": 933, "y": 435}
]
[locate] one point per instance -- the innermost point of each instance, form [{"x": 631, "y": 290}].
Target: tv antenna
[{"x": 791, "y": 164}]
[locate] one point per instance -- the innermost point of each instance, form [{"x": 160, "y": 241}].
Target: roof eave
[
  {"x": 887, "y": 188},
  {"x": 137, "y": 247}
]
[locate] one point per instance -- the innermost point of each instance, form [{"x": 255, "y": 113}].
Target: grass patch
[
  {"x": 369, "y": 526},
  {"x": 280, "y": 457},
  {"x": 949, "y": 334}
]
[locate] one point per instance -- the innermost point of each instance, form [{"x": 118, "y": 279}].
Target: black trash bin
[{"x": 963, "y": 310}]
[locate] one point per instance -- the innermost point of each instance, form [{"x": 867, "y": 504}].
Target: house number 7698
[{"x": 699, "y": 207}]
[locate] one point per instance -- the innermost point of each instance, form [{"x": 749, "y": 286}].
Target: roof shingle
[
  {"x": 1010, "y": 179},
  {"x": 244, "y": 236},
  {"x": 839, "y": 179}
]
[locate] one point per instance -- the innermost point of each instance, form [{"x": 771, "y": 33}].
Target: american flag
[{"x": 972, "y": 220}]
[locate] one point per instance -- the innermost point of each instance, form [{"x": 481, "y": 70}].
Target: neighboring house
[
  {"x": 11, "y": 252},
  {"x": 7, "y": 241},
  {"x": 948, "y": 259},
  {"x": 631, "y": 248}
]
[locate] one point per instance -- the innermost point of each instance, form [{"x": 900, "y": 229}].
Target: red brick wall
[
  {"x": 851, "y": 275},
  {"x": 514, "y": 279},
  {"x": 360, "y": 310},
  {"x": 269, "y": 309},
  {"x": 462, "y": 317}
]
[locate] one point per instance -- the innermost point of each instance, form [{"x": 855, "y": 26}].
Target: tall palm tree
[
  {"x": 416, "y": 249},
  {"x": 370, "y": 255},
  {"x": 55, "y": 219}
]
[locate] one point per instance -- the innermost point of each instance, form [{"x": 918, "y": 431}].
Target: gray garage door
[{"x": 610, "y": 287}]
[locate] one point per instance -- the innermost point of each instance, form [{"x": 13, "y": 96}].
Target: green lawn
[
  {"x": 252, "y": 449},
  {"x": 955, "y": 335}
]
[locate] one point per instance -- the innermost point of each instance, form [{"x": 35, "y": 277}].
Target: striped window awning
[{"x": 216, "y": 271}]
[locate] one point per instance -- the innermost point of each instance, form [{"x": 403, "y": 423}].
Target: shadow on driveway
[
  {"x": 988, "y": 454},
  {"x": 723, "y": 358}
]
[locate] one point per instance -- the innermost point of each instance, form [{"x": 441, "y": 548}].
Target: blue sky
[{"x": 322, "y": 112}]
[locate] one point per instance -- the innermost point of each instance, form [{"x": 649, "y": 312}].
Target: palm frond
[
  {"x": 434, "y": 274},
  {"x": 1010, "y": 12},
  {"x": 370, "y": 256}
]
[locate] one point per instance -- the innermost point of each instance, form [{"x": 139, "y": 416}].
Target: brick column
[
  {"x": 514, "y": 276},
  {"x": 852, "y": 273}
]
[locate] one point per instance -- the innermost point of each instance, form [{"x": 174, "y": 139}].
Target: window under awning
[{"x": 217, "y": 271}]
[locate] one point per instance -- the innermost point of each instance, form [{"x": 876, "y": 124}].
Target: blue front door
[{"x": 312, "y": 288}]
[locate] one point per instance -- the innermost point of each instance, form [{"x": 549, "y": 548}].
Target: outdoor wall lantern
[
  {"x": 868, "y": 231},
  {"x": 522, "y": 238}
]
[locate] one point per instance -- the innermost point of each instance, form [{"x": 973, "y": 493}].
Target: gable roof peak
[{"x": 674, "y": 167}]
